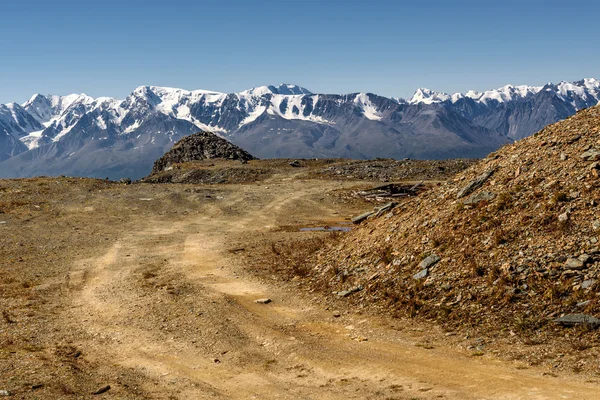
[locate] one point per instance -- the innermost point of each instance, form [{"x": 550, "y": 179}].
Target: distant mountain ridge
[{"x": 99, "y": 137}]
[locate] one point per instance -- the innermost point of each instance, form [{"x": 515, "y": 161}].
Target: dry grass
[{"x": 291, "y": 258}]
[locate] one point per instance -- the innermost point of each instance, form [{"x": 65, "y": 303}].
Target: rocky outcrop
[{"x": 200, "y": 146}]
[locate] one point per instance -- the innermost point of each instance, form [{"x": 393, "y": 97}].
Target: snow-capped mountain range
[
  {"x": 584, "y": 90},
  {"x": 81, "y": 135}
]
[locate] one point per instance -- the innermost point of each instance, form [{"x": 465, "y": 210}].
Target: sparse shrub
[
  {"x": 580, "y": 345},
  {"x": 274, "y": 249},
  {"x": 527, "y": 323},
  {"x": 494, "y": 273},
  {"x": 560, "y": 197},
  {"x": 501, "y": 237},
  {"x": 148, "y": 275},
  {"x": 476, "y": 269},
  {"x": 293, "y": 257},
  {"x": 386, "y": 255},
  {"x": 7, "y": 318},
  {"x": 503, "y": 201},
  {"x": 563, "y": 226}
]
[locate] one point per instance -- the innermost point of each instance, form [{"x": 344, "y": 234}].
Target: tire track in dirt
[{"x": 238, "y": 349}]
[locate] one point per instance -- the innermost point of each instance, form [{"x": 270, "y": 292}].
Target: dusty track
[{"x": 169, "y": 303}]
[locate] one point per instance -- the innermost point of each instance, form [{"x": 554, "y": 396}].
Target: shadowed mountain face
[{"x": 104, "y": 137}]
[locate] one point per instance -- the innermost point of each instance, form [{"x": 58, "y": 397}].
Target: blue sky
[{"x": 107, "y": 48}]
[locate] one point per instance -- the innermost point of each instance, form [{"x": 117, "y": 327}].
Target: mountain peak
[
  {"x": 36, "y": 98},
  {"x": 428, "y": 96},
  {"x": 288, "y": 89},
  {"x": 283, "y": 89}
]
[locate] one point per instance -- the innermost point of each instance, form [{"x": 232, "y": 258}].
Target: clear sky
[{"x": 107, "y": 48}]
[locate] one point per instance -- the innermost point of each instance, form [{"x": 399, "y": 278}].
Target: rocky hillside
[
  {"x": 510, "y": 244},
  {"x": 200, "y": 146}
]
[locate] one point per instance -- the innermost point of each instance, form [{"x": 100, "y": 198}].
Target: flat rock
[
  {"x": 585, "y": 258},
  {"x": 591, "y": 155},
  {"x": 588, "y": 283},
  {"x": 573, "y": 263},
  {"x": 429, "y": 261},
  {"x": 474, "y": 184},
  {"x": 263, "y": 301},
  {"x": 346, "y": 293},
  {"x": 421, "y": 274},
  {"x": 575, "y": 319}
]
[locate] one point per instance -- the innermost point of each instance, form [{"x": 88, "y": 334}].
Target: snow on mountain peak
[
  {"x": 282, "y": 89},
  {"x": 566, "y": 90},
  {"x": 368, "y": 109},
  {"x": 507, "y": 93},
  {"x": 428, "y": 96},
  {"x": 591, "y": 83},
  {"x": 288, "y": 89},
  {"x": 44, "y": 108}
]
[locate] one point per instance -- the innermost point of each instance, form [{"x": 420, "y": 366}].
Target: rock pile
[
  {"x": 200, "y": 146},
  {"x": 510, "y": 243}
]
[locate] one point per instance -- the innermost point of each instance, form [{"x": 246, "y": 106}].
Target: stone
[
  {"x": 474, "y": 184},
  {"x": 587, "y": 284},
  {"x": 596, "y": 225},
  {"x": 573, "y": 263},
  {"x": 337, "y": 314},
  {"x": 591, "y": 155},
  {"x": 576, "y": 319},
  {"x": 429, "y": 261},
  {"x": 564, "y": 217},
  {"x": 125, "y": 181},
  {"x": 479, "y": 197},
  {"x": 573, "y": 139},
  {"x": 263, "y": 301},
  {"x": 422, "y": 274},
  {"x": 346, "y": 293},
  {"x": 585, "y": 258},
  {"x": 5, "y": 393},
  {"x": 103, "y": 389}
]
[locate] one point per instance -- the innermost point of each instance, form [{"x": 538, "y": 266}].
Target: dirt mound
[
  {"x": 511, "y": 244},
  {"x": 200, "y": 146}
]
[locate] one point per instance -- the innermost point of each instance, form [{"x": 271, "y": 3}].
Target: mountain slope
[
  {"x": 511, "y": 243},
  {"x": 80, "y": 135}
]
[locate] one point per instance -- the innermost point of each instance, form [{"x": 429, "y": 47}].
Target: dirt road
[{"x": 165, "y": 309}]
